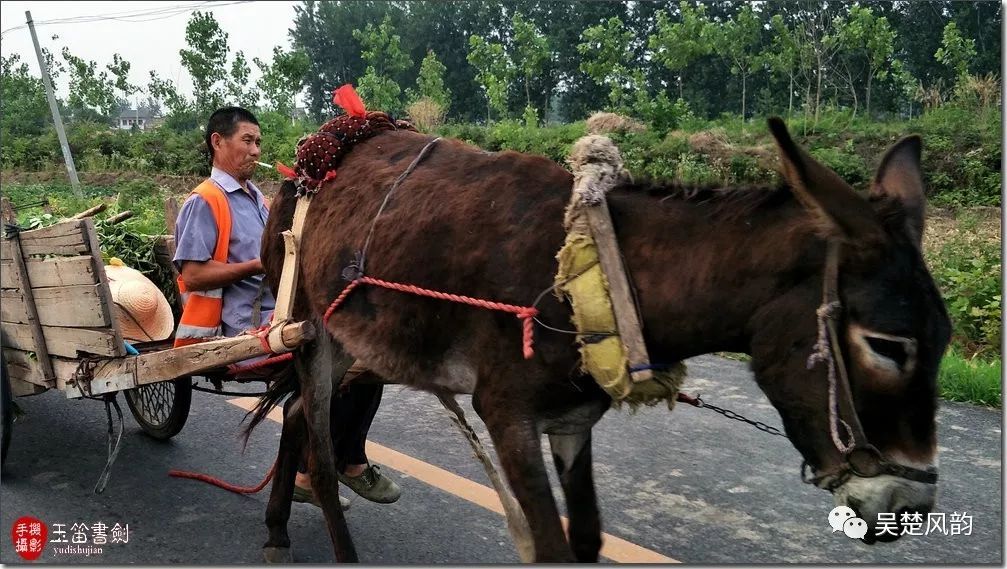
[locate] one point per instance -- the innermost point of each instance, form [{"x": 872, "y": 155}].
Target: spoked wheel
[
  {"x": 6, "y": 410},
  {"x": 161, "y": 408}
]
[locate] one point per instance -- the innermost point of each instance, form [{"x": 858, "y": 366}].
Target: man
[{"x": 217, "y": 243}]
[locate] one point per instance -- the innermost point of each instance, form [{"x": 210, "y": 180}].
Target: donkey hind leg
[
  {"x": 277, "y": 547},
  {"x": 572, "y": 456},
  {"x": 519, "y": 449},
  {"x": 320, "y": 365}
]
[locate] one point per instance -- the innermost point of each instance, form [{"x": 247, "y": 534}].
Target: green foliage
[
  {"x": 430, "y": 83},
  {"x": 205, "y": 59},
  {"x": 850, "y": 166},
  {"x": 23, "y": 106},
  {"x": 677, "y": 44},
  {"x": 967, "y": 271},
  {"x": 737, "y": 41},
  {"x": 531, "y": 51},
  {"x": 93, "y": 95},
  {"x": 282, "y": 78},
  {"x": 603, "y": 52},
  {"x": 385, "y": 59},
  {"x": 956, "y": 51},
  {"x": 495, "y": 72},
  {"x": 239, "y": 92},
  {"x": 970, "y": 380}
]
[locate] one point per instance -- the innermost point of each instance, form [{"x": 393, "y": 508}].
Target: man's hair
[{"x": 225, "y": 122}]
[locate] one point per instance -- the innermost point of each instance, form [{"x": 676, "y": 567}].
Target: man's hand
[{"x": 208, "y": 275}]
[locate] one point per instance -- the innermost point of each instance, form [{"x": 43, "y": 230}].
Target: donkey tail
[{"x": 284, "y": 384}]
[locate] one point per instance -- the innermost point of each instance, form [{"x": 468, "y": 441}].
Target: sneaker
[
  {"x": 307, "y": 496},
  {"x": 372, "y": 485}
]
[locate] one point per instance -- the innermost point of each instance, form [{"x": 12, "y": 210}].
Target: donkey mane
[{"x": 730, "y": 202}]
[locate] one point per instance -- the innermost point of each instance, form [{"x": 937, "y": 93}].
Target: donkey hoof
[{"x": 277, "y": 555}]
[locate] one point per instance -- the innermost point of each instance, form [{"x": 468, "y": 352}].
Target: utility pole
[{"x": 71, "y": 170}]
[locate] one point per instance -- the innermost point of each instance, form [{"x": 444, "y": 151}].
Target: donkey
[{"x": 714, "y": 269}]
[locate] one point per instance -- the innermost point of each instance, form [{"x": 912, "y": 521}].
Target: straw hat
[{"x": 142, "y": 311}]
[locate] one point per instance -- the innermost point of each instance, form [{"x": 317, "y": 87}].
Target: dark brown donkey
[{"x": 714, "y": 269}]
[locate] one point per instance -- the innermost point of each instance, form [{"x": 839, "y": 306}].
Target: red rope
[
  {"x": 236, "y": 369},
  {"x": 225, "y": 485},
  {"x": 525, "y": 313}
]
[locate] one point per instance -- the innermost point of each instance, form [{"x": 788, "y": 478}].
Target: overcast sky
[{"x": 253, "y": 28}]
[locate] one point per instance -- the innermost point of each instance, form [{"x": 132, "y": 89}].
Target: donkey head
[{"x": 891, "y": 332}]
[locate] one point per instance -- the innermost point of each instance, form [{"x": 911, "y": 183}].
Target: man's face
[{"x": 237, "y": 154}]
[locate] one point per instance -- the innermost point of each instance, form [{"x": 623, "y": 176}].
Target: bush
[{"x": 966, "y": 266}]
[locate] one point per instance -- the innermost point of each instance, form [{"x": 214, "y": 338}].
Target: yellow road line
[{"x": 614, "y": 548}]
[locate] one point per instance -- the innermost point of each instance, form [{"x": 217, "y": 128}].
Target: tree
[
  {"x": 205, "y": 59},
  {"x": 23, "y": 106},
  {"x": 737, "y": 41},
  {"x": 495, "y": 72},
  {"x": 163, "y": 92},
  {"x": 676, "y": 45},
  {"x": 956, "y": 51},
  {"x": 383, "y": 54},
  {"x": 93, "y": 93},
  {"x": 282, "y": 78},
  {"x": 603, "y": 50},
  {"x": 430, "y": 83},
  {"x": 238, "y": 90},
  {"x": 783, "y": 56},
  {"x": 531, "y": 51}
]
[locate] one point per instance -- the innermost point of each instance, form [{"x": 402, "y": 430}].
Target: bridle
[{"x": 860, "y": 458}]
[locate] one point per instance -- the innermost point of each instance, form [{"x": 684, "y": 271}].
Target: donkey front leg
[
  {"x": 520, "y": 451},
  {"x": 572, "y": 456},
  {"x": 277, "y": 547},
  {"x": 320, "y": 364}
]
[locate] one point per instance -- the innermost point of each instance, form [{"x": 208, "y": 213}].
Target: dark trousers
[{"x": 353, "y": 411}]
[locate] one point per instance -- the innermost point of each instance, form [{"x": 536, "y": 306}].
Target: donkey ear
[
  {"x": 840, "y": 212},
  {"x": 898, "y": 185}
]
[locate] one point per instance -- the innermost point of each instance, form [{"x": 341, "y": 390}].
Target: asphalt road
[{"x": 689, "y": 486}]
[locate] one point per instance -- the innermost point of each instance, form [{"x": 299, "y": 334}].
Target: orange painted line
[{"x": 614, "y": 548}]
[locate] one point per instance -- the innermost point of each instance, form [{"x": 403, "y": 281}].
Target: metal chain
[{"x": 732, "y": 415}]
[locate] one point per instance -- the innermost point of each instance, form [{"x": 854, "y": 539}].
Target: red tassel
[
  {"x": 330, "y": 175},
  {"x": 348, "y": 99},
  {"x": 287, "y": 171}
]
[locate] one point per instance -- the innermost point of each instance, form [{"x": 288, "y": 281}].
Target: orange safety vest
[{"x": 202, "y": 309}]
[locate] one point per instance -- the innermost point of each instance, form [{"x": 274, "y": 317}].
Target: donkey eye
[
  {"x": 889, "y": 358},
  {"x": 891, "y": 349}
]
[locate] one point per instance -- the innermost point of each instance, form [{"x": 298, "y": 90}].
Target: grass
[{"x": 971, "y": 380}]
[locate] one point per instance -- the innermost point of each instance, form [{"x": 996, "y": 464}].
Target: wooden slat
[
  {"x": 21, "y": 388},
  {"x": 626, "y": 317},
  {"x": 12, "y": 307},
  {"x": 55, "y": 271},
  {"x": 154, "y": 367},
  {"x": 32, "y": 331},
  {"x": 65, "y": 342},
  {"x": 5, "y": 252},
  {"x": 72, "y": 306},
  {"x": 104, "y": 295},
  {"x": 64, "y": 238},
  {"x": 23, "y": 366}
]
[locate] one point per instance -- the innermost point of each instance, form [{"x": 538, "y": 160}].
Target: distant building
[{"x": 141, "y": 118}]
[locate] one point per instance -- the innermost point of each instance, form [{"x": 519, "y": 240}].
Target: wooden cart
[{"x": 59, "y": 331}]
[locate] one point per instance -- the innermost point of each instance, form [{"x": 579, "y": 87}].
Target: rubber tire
[
  {"x": 6, "y": 411},
  {"x": 181, "y": 400}
]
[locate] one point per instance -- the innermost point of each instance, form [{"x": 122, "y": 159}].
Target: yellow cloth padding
[{"x": 581, "y": 279}]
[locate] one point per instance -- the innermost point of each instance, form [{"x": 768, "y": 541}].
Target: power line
[{"x": 131, "y": 16}]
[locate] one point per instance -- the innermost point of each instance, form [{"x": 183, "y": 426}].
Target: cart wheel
[
  {"x": 6, "y": 410},
  {"x": 161, "y": 408}
]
